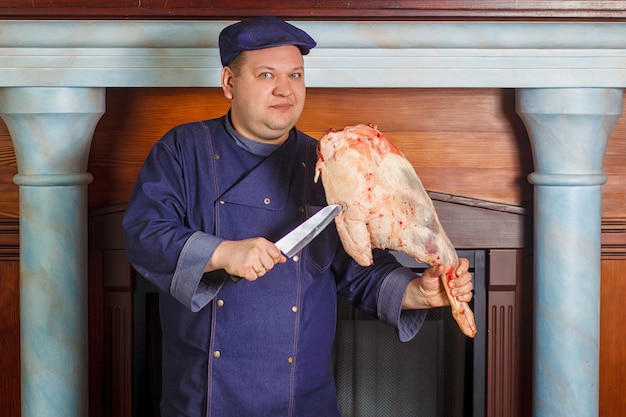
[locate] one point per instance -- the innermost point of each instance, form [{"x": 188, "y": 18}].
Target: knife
[
  {"x": 298, "y": 238},
  {"x": 302, "y": 235}
]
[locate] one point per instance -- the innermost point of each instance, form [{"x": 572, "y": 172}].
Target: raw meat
[{"x": 384, "y": 205}]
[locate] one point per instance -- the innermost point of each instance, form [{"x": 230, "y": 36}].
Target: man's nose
[{"x": 283, "y": 87}]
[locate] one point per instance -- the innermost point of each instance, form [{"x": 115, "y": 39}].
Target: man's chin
[{"x": 280, "y": 129}]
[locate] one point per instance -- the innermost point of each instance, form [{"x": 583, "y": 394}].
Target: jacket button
[
  {"x": 290, "y": 359},
  {"x": 266, "y": 200},
  {"x": 295, "y": 258},
  {"x": 294, "y": 309},
  {"x": 217, "y": 354},
  {"x": 220, "y": 303}
]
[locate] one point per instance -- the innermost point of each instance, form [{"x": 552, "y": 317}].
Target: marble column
[
  {"x": 51, "y": 129},
  {"x": 569, "y": 131}
]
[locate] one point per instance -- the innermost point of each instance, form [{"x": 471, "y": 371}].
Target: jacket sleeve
[
  {"x": 160, "y": 245},
  {"x": 379, "y": 289}
]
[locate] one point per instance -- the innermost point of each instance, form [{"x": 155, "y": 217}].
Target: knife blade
[
  {"x": 298, "y": 238},
  {"x": 302, "y": 235}
]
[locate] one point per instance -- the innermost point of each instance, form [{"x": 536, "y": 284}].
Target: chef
[{"x": 246, "y": 331}]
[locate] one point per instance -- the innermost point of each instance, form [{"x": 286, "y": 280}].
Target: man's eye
[
  {"x": 265, "y": 75},
  {"x": 296, "y": 75}
]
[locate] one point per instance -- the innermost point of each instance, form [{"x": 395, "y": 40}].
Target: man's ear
[{"x": 227, "y": 82}]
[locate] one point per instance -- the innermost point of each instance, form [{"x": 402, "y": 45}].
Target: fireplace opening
[{"x": 440, "y": 373}]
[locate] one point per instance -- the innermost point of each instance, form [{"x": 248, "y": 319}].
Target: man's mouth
[{"x": 282, "y": 107}]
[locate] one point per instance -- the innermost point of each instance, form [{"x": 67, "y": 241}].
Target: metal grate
[{"x": 432, "y": 375}]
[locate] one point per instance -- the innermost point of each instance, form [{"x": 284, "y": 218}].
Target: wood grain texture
[
  {"x": 612, "y": 354},
  {"x": 463, "y": 142},
  {"x": 307, "y": 9},
  {"x": 10, "y": 402},
  {"x": 8, "y": 168},
  {"x": 467, "y": 142},
  {"x": 501, "y": 366},
  {"x": 9, "y": 239}
]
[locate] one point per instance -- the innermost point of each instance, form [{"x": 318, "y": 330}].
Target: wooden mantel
[
  {"x": 319, "y": 10},
  {"x": 569, "y": 79}
]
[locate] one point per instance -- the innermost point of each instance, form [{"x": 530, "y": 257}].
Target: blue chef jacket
[{"x": 247, "y": 348}]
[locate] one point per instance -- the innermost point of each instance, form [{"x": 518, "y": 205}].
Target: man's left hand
[{"x": 427, "y": 291}]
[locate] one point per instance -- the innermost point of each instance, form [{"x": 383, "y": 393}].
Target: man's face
[{"x": 267, "y": 95}]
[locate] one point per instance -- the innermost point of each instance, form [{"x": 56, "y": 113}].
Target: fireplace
[
  {"x": 440, "y": 373},
  {"x": 473, "y": 377},
  {"x": 568, "y": 78}
]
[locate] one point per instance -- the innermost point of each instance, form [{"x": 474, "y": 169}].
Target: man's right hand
[{"x": 249, "y": 259}]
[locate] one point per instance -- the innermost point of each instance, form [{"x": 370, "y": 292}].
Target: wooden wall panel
[
  {"x": 614, "y": 191},
  {"x": 501, "y": 368},
  {"x": 10, "y": 402},
  {"x": 466, "y": 142},
  {"x": 110, "y": 320},
  {"x": 612, "y": 353},
  {"x": 9, "y": 239},
  {"x": 135, "y": 119},
  {"x": 463, "y": 142},
  {"x": 503, "y": 361},
  {"x": 8, "y": 168},
  {"x": 328, "y": 9}
]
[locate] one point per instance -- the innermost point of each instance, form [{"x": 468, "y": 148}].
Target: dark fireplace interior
[{"x": 440, "y": 373}]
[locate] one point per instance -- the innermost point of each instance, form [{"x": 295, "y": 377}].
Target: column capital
[
  {"x": 569, "y": 129},
  {"x": 51, "y": 129}
]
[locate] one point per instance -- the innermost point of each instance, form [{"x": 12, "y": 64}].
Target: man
[{"x": 210, "y": 199}]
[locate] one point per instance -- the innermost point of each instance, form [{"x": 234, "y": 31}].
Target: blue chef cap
[{"x": 259, "y": 33}]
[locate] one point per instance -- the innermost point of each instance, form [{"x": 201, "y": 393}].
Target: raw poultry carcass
[{"x": 385, "y": 205}]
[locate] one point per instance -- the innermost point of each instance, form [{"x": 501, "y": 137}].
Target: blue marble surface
[
  {"x": 569, "y": 130},
  {"x": 349, "y": 54},
  {"x": 51, "y": 129}
]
